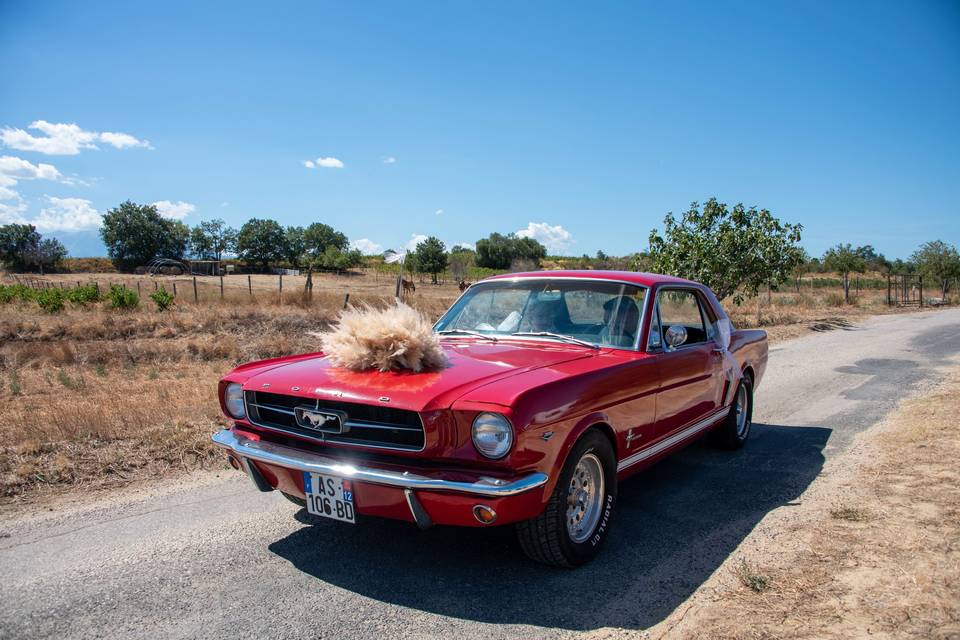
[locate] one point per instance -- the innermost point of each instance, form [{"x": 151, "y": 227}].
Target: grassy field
[{"x": 97, "y": 397}]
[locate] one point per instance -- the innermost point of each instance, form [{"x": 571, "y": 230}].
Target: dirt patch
[{"x": 873, "y": 548}]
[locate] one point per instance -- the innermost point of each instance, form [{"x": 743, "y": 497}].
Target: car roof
[{"x": 633, "y": 277}]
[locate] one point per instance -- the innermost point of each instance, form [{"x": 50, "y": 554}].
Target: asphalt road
[{"x": 214, "y": 558}]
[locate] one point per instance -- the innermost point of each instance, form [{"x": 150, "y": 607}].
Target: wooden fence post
[
  {"x": 281, "y": 288},
  {"x": 174, "y": 288},
  {"x": 221, "y": 287},
  {"x": 195, "y": 297},
  {"x": 346, "y": 300},
  {"x": 139, "y": 293},
  {"x": 250, "y": 285}
]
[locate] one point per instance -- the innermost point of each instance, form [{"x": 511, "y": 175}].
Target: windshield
[{"x": 600, "y": 312}]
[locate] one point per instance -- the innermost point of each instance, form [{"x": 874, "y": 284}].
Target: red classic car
[{"x": 557, "y": 386}]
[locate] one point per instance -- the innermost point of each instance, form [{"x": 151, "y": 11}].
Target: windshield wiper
[
  {"x": 558, "y": 336},
  {"x": 466, "y": 332}
]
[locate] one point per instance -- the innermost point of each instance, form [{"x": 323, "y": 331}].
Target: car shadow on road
[{"x": 676, "y": 523}]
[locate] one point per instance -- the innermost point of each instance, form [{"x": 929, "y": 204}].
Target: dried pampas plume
[{"x": 391, "y": 339}]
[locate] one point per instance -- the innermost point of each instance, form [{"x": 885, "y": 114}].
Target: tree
[
  {"x": 461, "y": 259},
  {"x": 732, "y": 251},
  {"x": 845, "y": 260},
  {"x": 135, "y": 234},
  {"x": 500, "y": 251},
  {"x": 318, "y": 236},
  {"x": 432, "y": 257},
  {"x": 939, "y": 262},
  {"x": 21, "y": 247},
  {"x": 296, "y": 245},
  {"x": 210, "y": 239},
  {"x": 46, "y": 254},
  {"x": 15, "y": 241},
  {"x": 261, "y": 242}
]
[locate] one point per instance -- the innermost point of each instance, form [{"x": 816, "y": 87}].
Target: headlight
[
  {"x": 492, "y": 435},
  {"x": 233, "y": 400}
]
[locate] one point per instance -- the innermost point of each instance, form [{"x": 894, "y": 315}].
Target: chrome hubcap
[
  {"x": 585, "y": 498},
  {"x": 741, "y": 410}
]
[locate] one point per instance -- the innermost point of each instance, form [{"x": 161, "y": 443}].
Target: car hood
[{"x": 469, "y": 365}]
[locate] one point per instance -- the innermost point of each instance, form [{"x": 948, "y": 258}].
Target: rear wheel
[
  {"x": 734, "y": 431},
  {"x": 576, "y": 519}
]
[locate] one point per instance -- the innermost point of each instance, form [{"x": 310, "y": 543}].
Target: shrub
[
  {"x": 11, "y": 292},
  {"x": 50, "y": 300},
  {"x": 162, "y": 298},
  {"x": 87, "y": 294},
  {"x": 123, "y": 298}
]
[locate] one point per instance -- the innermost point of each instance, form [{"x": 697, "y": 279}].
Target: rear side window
[{"x": 682, "y": 307}]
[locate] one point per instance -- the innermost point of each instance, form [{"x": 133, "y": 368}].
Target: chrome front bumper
[{"x": 291, "y": 458}]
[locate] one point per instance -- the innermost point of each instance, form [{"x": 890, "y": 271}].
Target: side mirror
[{"x": 675, "y": 335}]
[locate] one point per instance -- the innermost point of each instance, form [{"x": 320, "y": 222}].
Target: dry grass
[{"x": 882, "y": 562}]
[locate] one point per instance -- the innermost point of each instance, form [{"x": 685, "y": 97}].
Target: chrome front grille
[{"x": 371, "y": 426}]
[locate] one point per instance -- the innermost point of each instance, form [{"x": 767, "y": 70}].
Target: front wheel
[{"x": 576, "y": 519}]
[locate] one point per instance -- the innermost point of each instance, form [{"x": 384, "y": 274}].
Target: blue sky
[{"x": 579, "y": 123}]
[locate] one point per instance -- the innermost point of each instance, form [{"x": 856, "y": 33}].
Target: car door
[{"x": 689, "y": 372}]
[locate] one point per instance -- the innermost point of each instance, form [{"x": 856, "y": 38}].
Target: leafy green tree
[
  {"x": 499, "y": 251},
  {"x": 335, "y": 259},
  {"x": 432, "y": 257},
  {"x": 135, "y": 234},
  {"x": 939, "y": 262},
  {"x": 296, "y": 245},
  {"x": 844, "y": 259},
  {"x": 21, "y": 248},
  {"x": 46, "y": 254},
  {"x": 461, "y": 259},
  {"x": 261, "y": 242},
  {"x": 210, "y": 239},
  {"x": 16, "y": 240},
  {"x": 318, "y": 236},
  {"x": 732, "y": 251}
]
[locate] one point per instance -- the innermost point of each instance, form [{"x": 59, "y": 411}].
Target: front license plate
[{"x": 329, "y": 496}]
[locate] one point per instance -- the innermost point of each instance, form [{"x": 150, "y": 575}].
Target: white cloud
[
  {"x": 224, "y": 204},
  {"x": 554, "y": 238},
  {"x": 61, "y": 139},
  {"x": 415, "y": 239},
  {"x": 439, "y": 212},
  {"x": 389, "y": 160},
  {"x": 122, "y": 140},
  {"x": 329, "y": 163},
  {"x": 67, "y": 214},
  {"x": 174, "y": 210},
  {"x": 324, "y": 163},
  {"x": 6, "y": 193},
  {"x": 13, "y": 169},
  {"x": 367, "y": 246}
]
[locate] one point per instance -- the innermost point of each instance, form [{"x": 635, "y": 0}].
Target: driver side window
[{"x": 681, "y": 308}]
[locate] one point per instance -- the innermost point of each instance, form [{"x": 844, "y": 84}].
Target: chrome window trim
[
  {"x": 330, "y": 440},
  {"x": 643, "y": 311}
]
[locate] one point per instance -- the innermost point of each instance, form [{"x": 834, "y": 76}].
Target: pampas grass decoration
[{"x": 392, "y": 339}]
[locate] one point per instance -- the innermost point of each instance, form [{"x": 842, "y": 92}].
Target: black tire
[
  {"x": 546, "y": 538},
  {"x": 731, "y": 434}
]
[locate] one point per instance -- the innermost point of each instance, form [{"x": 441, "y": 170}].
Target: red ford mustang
[{"x": 558, "y": 385}]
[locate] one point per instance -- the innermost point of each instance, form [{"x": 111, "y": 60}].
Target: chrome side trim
[
  {"x": 291, "y": 458},
  {"x": 676, "y": 438}
]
